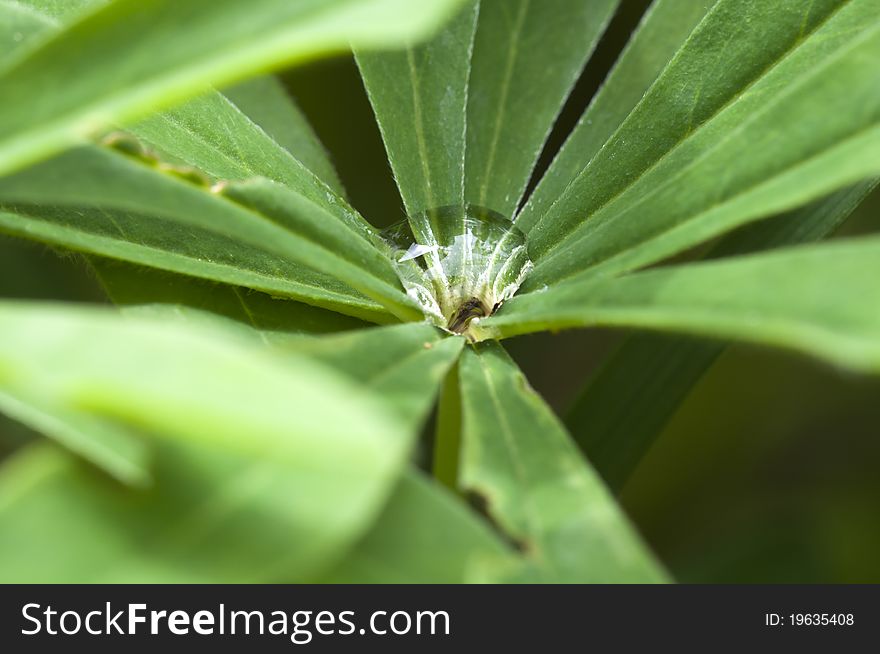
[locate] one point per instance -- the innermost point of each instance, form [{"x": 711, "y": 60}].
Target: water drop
[
  {"x": 460, "y": 263},
  {"x": 416, "y": 250}
]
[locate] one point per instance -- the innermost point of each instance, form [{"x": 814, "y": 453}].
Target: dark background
[{"x": 767, "y": 473}]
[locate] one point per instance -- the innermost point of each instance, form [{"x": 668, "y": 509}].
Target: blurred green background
[{"x": 769, "y": 472}]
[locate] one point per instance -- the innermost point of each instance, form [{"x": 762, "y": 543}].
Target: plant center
[{"x": 460, "y": 263}]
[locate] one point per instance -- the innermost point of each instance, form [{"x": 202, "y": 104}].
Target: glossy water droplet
[
  {"x": 415, "y": 250},
  {"x": 462, "y": 264}
]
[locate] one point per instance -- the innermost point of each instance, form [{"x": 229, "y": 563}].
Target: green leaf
[
  {"x": 229, "y": 140},
  {"x": 112, "y": 448},
  {"x": 632, "y": 396},
  {"x": 53, "y": 13},
  {"x": 253, "y": 129},
  {"x": 26, "y": 24},
  {"x": 102, "y": 350},
  {"x": 785, "y": 109},
  {"x": 223, "y": 139},
  {"x": 209, "y": 518},
  {"x": 145, "y": 288},
  {"x": 447, "y": 432},
  {"x": 20, "y": 25},
  {"x": 624, "y": 407},
  {"x": 519, "y": 461},
  {"x": 140, "y": 57},
  {"x": 101, "y": 202},
  {"x": 821, "y": 300},
  {"x": 423, "y": 536},
  {"x": 403, "y": 364},
  {"x": 419, "y": 96},
  {"x": 352, "y": 256},
  {"x": 663, "y": 30},
  {"x": 527, "y": 55},
  {"x": 230, "y": 262},
  {"x": 216, "y": 137},
  {"x": 219, "y": 137},
  {"x": 265, "y": 101},
  {"x": 254, "y": 461}
]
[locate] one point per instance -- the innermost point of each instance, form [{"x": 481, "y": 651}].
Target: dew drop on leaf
[{"x": 465, "y": 262}]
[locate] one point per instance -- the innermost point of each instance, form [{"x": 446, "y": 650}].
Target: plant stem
[{"x": 447, "y": 435}]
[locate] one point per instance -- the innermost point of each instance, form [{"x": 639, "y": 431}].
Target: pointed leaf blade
[
  {"x": 518, "y": 458},
  {"x": 148, "y": 289},
  {"x": 124, "y": 207},
  {"x": 403, "y": 364},
  {"x": 423, "y": 536},
  {"x": 419, "y": 96},
  {"x": 265, "y": 101},
  {"x": 776, "y": 129},
  {"x": 118, "y": 451},
  {"x": 625, "y": 405},
  {"x": 527, "y": 55},
  {"x": 235, "y": 429},
  {"x": 664, "y": 28},
  {"x": 146, "y": 56},
  {"x": 820, "y": 300}
]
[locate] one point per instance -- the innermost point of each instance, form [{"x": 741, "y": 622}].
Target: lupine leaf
[
  {"x": 237, "y": 138},
  {"x": 240, "y": 437},
  {"x": 820, "y": 299},
  {"x": 130, "y": 57},
  {"x": 520, "y": 462},
  {"x": 403, "y": 364},
  {"x": 663, "y": 30},
  {"x": 101, "y": 202},
  {"x": 527, "y": 55},
  {"x": 234, "y": 139},
  {"x": 266, "y": 102},
  {"x": 112, "y": 448},
  {"x": 623, "y": 408},
  {"x": 147, "y": 288},
  {"x": 419, "y": 96},
  {"x": 784, "y": 108},
  {"x": 216, "y": 137},
  {"x": 228, "y": 140},
  {"x": 19, "y": 26},
  {"x": 424, "y": 535}
]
